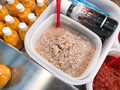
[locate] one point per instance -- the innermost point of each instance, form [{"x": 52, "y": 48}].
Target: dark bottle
[{"x": 99, "y": 23}]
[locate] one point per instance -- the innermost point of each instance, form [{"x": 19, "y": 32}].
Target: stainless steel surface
[{"x": 27, "y": 75}]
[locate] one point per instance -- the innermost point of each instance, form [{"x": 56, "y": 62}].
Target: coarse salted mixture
[{"x": 65, "y": 48}]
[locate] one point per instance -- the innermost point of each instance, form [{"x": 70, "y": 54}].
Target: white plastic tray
[
  {"x": 109, "y": 7},
  {"x": 75, "y": 25}
]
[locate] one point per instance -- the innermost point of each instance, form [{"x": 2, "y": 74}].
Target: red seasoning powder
[{"x": 108, "y": 78}]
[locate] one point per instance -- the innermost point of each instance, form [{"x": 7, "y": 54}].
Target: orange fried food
[{"x": 5, "y": 75}]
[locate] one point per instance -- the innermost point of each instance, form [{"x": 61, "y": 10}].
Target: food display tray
[{"x": 108, "y": 6}]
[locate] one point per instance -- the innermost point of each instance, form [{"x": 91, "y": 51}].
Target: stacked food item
[{"x": 16, "y": 17}]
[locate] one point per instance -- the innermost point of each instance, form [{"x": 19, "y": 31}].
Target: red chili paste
[{"x": 108, "y": 78}]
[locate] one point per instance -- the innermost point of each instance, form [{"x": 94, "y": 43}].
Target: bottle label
[
  {"x": 91, "y": 19},
  {"x": 88, "y": 16},
  {"x": 90, "y": 5}
]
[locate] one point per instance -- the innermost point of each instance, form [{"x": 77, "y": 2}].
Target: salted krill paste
[{"x": 67, "y": 49}]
